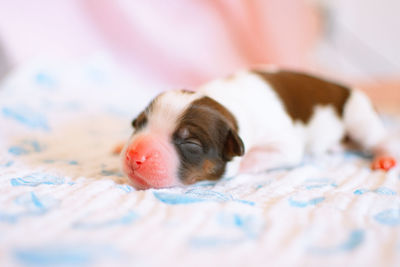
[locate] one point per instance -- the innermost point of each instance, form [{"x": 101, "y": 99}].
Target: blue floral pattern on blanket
[
  {"x": 354, "y": 240},
  {"x": 390, "y": 217},
  {"x": 36, "y": 179},
  {"x": 197, "y": 195},
  {"x": 67, "y": 255},
  {"x": 246, "y": 228},
  {"x": 32, "y": 205},
  {"x": 27, "y": 117},
  {"x": 125, "y": 219},
  {"x": 65, "y": 202}
]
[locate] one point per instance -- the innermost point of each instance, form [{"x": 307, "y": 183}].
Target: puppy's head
[{"x": 180, "y": 138}]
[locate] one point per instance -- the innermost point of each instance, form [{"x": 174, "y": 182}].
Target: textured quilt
[{"x": 64, "y": 201}]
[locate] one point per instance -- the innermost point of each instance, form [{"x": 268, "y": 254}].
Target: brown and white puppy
[{"x": 249, "y": 122}]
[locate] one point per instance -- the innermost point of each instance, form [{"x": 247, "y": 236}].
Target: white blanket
[{"x": 63, "y": 200}]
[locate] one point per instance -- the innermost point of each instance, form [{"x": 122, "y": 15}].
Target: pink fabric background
[{"x": 181, "y": 43}]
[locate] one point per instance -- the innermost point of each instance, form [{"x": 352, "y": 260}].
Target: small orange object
[
  {"x": 117, "y": 149},
  {"x": 383, "y": 163}
]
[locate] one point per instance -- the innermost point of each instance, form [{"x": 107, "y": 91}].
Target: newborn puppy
[{"x": 252, "y": 121}]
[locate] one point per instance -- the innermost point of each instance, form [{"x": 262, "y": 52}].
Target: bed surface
[{"x": 63, "y": 200}]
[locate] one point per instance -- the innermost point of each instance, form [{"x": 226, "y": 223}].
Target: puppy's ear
[
  {"x": 233, "y": 146},
  {"x": 140, "y": 121}
]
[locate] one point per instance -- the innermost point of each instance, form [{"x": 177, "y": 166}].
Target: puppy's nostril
[{"x": 136, "y": 162}]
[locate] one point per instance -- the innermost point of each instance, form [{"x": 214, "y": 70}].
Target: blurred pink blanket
[
  {"x": 187, "y": 43},
  {"x": 177, "y": 43}
]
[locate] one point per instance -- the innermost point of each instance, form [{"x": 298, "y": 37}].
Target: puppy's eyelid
[{"x": 193, "y": 141}]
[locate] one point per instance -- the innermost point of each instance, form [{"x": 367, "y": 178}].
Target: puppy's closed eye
[{"x": 192, "y": 146}]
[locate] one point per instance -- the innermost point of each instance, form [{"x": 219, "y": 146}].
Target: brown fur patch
[
  {"x": 186, "y": 91},
  {"x": 141, "y": 120},
  {"x": 208, "y": 166},
  {"x": 300, "y": 93},
  {"x": 206, "y": 139},
  {"x": 211, "y": 106}
]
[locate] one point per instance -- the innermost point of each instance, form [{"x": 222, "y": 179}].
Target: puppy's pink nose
[
  {"x": 135, "y": 159},
  {"x": 150, "y": 161}
]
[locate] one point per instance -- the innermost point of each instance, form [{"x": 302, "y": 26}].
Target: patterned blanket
[{"x": 64, "y": 201}]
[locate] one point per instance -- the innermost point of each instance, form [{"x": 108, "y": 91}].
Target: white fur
[
  {"x": 362, "y": 122},
  {"x": 167, "y": 109},
  {"x": 270, "y": 136},
  {"x": 324, "y": 131}
]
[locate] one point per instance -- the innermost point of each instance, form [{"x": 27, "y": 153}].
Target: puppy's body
[
  {"x": 276, "y": 134},
  {"x": 249, "y": 122}
]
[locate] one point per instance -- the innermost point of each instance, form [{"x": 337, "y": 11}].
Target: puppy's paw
[{"x": 383, "y": 163}]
